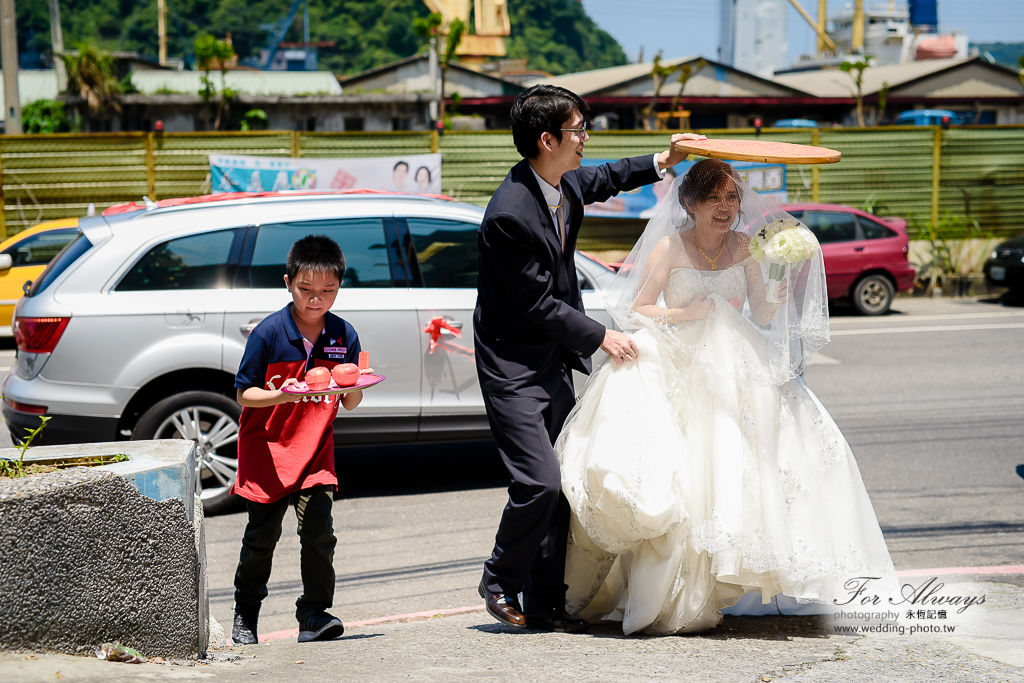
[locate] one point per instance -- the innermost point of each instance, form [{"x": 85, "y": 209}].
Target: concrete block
[{"x": 118, "y": 552}]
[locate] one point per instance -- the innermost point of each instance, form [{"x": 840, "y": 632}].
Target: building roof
[
  {"x": 284, "y": 83},
  {"x": 32, "y": 85},
  {"x": 412, "y": 75},
  {"x": 635, "y": 80},
  {"x": 939, "y": 78}
]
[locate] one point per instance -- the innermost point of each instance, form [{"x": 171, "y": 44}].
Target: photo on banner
[
  {"x": 768, "y": 180},
  {"x": 412, "y": 173}
]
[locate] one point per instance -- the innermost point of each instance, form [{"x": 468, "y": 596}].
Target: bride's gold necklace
[{"x": 713, "y": 262}]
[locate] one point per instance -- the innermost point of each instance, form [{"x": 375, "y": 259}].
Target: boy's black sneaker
[
  {"x": 243, "y": 630},
  {"x": 321, "y": 626}
]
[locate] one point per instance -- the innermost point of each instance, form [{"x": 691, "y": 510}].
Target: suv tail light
[{"x": 38, "y": 335}]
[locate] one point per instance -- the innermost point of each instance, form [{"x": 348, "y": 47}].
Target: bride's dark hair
[{"x": 706, "y": 176}]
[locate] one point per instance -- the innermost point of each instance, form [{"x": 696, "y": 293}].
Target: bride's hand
[{"x": 699, "y": 308}]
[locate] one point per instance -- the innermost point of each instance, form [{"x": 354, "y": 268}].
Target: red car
[{"x": 865, "y": 255}]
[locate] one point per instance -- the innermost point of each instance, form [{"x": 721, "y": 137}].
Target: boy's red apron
[{"x": 287, "y": 447}]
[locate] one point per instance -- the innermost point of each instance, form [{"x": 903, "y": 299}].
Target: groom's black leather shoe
[
  {"x": 558, "y": 621},
  {"x": 499, "y": 608}
]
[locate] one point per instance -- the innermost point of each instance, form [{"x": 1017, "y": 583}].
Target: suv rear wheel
[
  {"x": 873, "y": 295},
  {"x": 210, "y": 420}
]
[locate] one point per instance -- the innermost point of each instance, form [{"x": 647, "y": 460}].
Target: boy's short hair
[
  {"x": 316, "y": 254},
  {"x": 542, "y": 108}
]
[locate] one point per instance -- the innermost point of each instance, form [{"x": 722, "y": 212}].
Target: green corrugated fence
[{"x": 922, "y": 174}]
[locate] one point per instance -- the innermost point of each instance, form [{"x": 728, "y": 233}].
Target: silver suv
[{"x": 136, "y": 329}]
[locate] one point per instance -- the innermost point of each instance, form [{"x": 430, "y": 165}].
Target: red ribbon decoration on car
[{"x": 434, "y": 327}]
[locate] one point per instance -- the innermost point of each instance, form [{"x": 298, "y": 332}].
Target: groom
[{"x": 531, "y": 332}]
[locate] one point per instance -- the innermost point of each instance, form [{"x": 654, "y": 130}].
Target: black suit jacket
[{"x": 529, "y": 325}]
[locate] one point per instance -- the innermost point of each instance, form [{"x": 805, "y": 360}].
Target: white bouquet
[{"x": 784, "y": 243}]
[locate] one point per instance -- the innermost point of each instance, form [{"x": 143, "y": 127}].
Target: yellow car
[{"x": 30, "y": 251}]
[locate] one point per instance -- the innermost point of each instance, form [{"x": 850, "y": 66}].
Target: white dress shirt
[{"x": 553, "y": 196}]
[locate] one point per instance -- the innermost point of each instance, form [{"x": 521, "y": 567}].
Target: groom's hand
[
  {"x": 671, "y": 156},
  {"x": 619, "y": 346}
]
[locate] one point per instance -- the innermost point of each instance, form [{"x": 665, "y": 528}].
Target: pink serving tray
[{"x": 364, "y": 381}]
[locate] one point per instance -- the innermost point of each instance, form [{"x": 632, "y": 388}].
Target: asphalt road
[{"x": 931, "y": 398}]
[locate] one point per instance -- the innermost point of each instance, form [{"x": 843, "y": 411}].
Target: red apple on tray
[
  {"x": 318, "y": 379},
  {"x": 345, "y": 374}
]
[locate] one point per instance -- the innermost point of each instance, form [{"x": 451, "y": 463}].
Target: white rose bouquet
[{"x": 784, "y": 243}]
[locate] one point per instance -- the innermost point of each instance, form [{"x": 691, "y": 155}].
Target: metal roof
[
  {"x": 714, "y": 80},
  {"x": 835, "y": 83},
  {"x": 243, "y": 82}
]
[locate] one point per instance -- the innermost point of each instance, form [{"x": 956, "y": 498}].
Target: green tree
[
  {"x": 856, "y": 71},
  {"x": 686, "y": 72},
  {"x": 91, "y": 77},
  {"x": 254, "y": 118},
  {"x": 559, "y": 37},
  {"x": 47, "y": 116},
  {"x": 660, "y": 75},
  {"x": 553, "y": 35},
  {"x": 883, "y": 100},
  {"x": 210, "y": 53}
]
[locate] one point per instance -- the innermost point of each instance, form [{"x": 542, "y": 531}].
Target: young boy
[{"x": 286, "y": 442}]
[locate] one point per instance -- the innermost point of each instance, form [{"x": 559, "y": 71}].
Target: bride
[{"x": 706, "y": 469}]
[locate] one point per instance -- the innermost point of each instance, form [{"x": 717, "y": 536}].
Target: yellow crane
[{"x": 492, "y": 25}]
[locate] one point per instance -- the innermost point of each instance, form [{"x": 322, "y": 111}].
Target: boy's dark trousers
[{"x": 316, "y": 535}]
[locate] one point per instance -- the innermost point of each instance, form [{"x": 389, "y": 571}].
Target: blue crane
[{"x": 279, "y": 29}]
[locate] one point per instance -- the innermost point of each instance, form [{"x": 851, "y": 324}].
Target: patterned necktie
[{"x": 560, "y": 215}]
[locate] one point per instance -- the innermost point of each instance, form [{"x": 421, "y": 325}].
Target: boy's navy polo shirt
[{"x": 290, "y": 446}]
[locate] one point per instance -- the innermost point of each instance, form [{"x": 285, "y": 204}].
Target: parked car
[
  {"x": 1005, "y": 267},
  {"x": 865, "y": 256},
  {"x": 30, "y": 251},
  {"x": 136, "y": 329},
  {"x": 796, "y": 123},
  {"x": 934, "y": 117}
]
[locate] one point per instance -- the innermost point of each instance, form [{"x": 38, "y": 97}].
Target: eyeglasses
[{"x": 581, "y": 131}]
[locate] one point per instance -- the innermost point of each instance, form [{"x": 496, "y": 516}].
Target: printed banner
[
  {"x": 768, "y": 180},
  {"x": 415, "y": 173}
]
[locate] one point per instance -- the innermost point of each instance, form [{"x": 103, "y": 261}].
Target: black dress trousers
[{"x": 530, "y": 545}]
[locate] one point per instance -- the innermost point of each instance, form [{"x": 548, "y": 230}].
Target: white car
[{"x": 136, "y": 329}]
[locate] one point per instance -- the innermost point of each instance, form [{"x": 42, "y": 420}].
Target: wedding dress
[{"x": 693, "y": 478}]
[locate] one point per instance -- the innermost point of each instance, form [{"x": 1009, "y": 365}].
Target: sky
[{"x": 686, "y": 27}]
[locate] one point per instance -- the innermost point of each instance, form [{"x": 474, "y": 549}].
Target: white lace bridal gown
[{"x": 693, "y": 480}]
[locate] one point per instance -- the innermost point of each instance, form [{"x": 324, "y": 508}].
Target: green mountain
[
  {"x": 1004, "y": 53},
  {"x": 553, "y": 35}
]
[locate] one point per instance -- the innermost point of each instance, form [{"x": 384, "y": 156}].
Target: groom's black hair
[{"x": 540, "y": 109}]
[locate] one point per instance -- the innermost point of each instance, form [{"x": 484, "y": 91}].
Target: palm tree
[
  {"x": 856, "y": 71},
  {"x": 431, "y": 29},
  {"x": 660, "y": 75},
  {"x": 91, "y": 77},
  {"x": 686, "y": 72}
]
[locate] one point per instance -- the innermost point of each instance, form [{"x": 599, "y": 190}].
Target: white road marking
[
  {"x": 822, "y": 359},
  {"x": 930, "y": 328},
  {"x": 935, "y": 316}
]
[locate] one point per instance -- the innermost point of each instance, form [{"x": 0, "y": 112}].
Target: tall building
[{"x": 753, "y": 35}]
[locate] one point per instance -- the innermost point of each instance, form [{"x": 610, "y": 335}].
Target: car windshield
[{"x": 39, "y": 249}]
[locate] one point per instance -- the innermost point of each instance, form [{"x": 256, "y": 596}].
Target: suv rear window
[
  {"x": 360, "y": 239},
  {"x": 193, "y": 262},
  {"x": 68, "y": 255}
]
